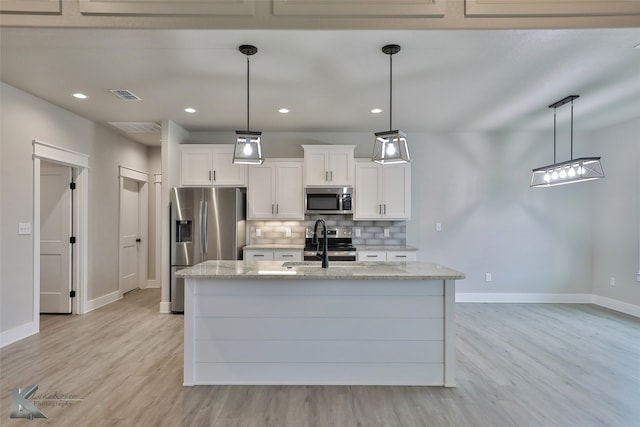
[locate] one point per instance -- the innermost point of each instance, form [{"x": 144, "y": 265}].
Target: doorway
[
  {"x": 56, "y": 238},
  {"x": 133, "y": 245},
  {"x": 44, "y": 153}
]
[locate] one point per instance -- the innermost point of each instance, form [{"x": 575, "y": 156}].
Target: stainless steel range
[{"x": 339, "y": 241}]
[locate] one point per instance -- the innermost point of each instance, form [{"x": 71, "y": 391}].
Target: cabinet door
[
  {"x": 287, "y": 255},
  {"x": 368, "y": 204},
  {"x": 224, "y": 171},
  {"x": 195, "y": 167},
  {"x": 316, "y": 167},
  {"x": 258, "y": 255},
  {"x": 372, "y": 256},
  {"x": 341, "y": 167},
  {"x": 289, "y": 196},
  {"x": 260, "y": 192},
  {"x": 396, "y": 191},
  {"x": 401, "y": 256}
]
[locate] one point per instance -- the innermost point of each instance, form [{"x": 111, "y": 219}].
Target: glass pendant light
[
  {"x": 390, "y": 146},
  {"x": 248, "y": 148},
  {"x": 570, "y": 171}
]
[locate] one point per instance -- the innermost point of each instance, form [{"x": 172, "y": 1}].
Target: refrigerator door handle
[{"x": 204, "y": 238}]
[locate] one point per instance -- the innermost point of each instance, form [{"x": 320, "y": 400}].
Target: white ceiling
[{"x": 443, "y": 80}]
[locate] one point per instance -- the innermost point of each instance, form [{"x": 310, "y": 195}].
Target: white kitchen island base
[{"x": 301, "y": 330}]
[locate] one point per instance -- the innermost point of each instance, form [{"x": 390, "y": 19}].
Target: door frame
[
  {"x": 143, "y": 222},
  {"x": 79, "y": 163}
]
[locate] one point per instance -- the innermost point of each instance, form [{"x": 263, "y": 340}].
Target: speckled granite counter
[
  {"x": 274, "y": 322},
  {"x": 386, "y": 248},
  {"x": 302, "y": 270},
  {"x": 276, "y": 246}
]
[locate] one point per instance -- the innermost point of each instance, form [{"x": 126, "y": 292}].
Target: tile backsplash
[{"x": 371, "y": 232}]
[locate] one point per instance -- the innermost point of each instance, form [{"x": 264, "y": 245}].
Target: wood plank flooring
[{"x": 533, "y": 365}]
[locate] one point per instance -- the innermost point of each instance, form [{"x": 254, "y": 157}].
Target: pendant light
[
  {"x": 570, "y": 171},
  {"x": 248, "y": 149},
  {"x": 390, "y": 146}
]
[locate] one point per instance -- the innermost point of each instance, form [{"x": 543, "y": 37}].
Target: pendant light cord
[
  {"x": 390, "y": 91},
  {"x": 554, "y": 135},
  {"x": 572, "y": 129},
  {"x": 247, "y": 92}
]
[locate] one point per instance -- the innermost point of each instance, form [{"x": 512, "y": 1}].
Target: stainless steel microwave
[{"x": 327, "y": 201}]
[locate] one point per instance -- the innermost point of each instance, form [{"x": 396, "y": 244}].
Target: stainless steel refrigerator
[{"x": 206, "y": 224}]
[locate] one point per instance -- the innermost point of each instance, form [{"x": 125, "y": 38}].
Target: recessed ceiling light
[
  {"x": 376, "y": 110},
  {"x": 80, "y": 95},
  {"x": 190, "y": 110},
  {"x": 283, "y": 110}
]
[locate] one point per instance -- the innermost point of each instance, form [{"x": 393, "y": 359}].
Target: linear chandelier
[
  {"x": 248, "y": 148},
  {"x": 390, "y": 146},
  {"x": 570, "y": 171}
]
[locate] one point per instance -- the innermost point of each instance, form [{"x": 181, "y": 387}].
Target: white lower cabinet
[
  {"x": 371, "y": 255},
  {"x": 273, "y": 255},
  {"x": 386, "y": 256}
]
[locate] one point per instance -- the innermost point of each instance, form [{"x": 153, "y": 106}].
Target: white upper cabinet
[
  {"x": 382, "y": 191},
  {"x": 210, "y": 165},
  {"x": 328, "y": 165},
  {"x": 275, "y": 190}
]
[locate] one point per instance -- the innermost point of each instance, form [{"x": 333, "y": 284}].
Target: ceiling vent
[
  {"x": 137, "y": 127},
  {"x": 125, "y": 95}
]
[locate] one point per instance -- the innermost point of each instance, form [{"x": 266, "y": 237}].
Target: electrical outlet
[
  {"x": 488, "y": 277},
  {"x": 438, "y": 226},
  {"x": 386, "y": 232},
  {"x": 357, "y": 230},
  {"x": 612, "y": 281},
  {"x": 258, "y": 232},
  {"x": 287, "y": 232}
]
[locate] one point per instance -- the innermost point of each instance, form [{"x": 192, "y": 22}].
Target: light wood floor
[{"x": 518, "y": 365}]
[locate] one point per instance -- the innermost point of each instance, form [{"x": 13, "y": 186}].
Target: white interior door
[
  {"x": 55, "y": 233},
  {"x": 130, "y": 236}
]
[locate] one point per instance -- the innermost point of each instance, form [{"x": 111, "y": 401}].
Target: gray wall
[
  {"x": 615, "y": 205},
  {"x": 477, "y": 186},
  {"x": 23, "y": 119}
]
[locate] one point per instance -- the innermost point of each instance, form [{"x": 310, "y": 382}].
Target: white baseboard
[
  {"x": 524, "y": 298},
  {"x": 18, "y": 333},
  {"x": 152, "y": 284},
  {"x": 622, "y": 307},
  {"x": 165, "y": 307},
  {"x": 103, "y": 300}
]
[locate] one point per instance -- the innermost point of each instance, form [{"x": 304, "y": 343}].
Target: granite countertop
[
  {"x": 385, "y": 248},
  {"x": 311, "y": 270},
  {"x": 276, "y": 246}
]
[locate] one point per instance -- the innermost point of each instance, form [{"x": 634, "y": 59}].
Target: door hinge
[
  {"x": 72, "y": 240},
  {"x": 72, "y": 185},
  {"x": 72, "y": 294}
]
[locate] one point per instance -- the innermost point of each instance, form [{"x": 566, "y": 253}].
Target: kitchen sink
[{"x": 318, "y": 264}]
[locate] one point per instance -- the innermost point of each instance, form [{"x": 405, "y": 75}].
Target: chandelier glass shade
[
  {"x": 390, "y": 146},
  {"x": 570, "y": 171},
  {"x": 248, "y": 147}
]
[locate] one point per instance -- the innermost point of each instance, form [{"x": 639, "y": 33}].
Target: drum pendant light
[
  {"x": 248, "y": 148},
  {"x": 390, "y": 146},
  {"x": 570, "y": 171}
]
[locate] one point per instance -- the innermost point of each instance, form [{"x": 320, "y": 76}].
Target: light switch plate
[
  {"x": 287, "y": 232},
  {"x": 386, "y": 232},
  {"x": 258, "y": 232},
  {"x": 24, "y": 228}
]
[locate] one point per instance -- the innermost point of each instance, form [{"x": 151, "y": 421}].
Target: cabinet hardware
[
  {"x": 272, "y": 209},
  {"x": 331, "y": 176},
  {"x": 277, "y": 208},
  {"x": 209, "y": 176},
  {"x": 385, "y": 209},
  {"x": 326, "y": 175},
  {"x": 214, "y": 175}
]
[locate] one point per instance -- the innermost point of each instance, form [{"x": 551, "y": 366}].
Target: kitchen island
[{"x": 269, "y": 322}]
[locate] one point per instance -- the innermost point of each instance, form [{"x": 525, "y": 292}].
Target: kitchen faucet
[{"x": 325, "y": 242}]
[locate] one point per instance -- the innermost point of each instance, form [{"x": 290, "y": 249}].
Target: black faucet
[{"x": 325, "y": 243}]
